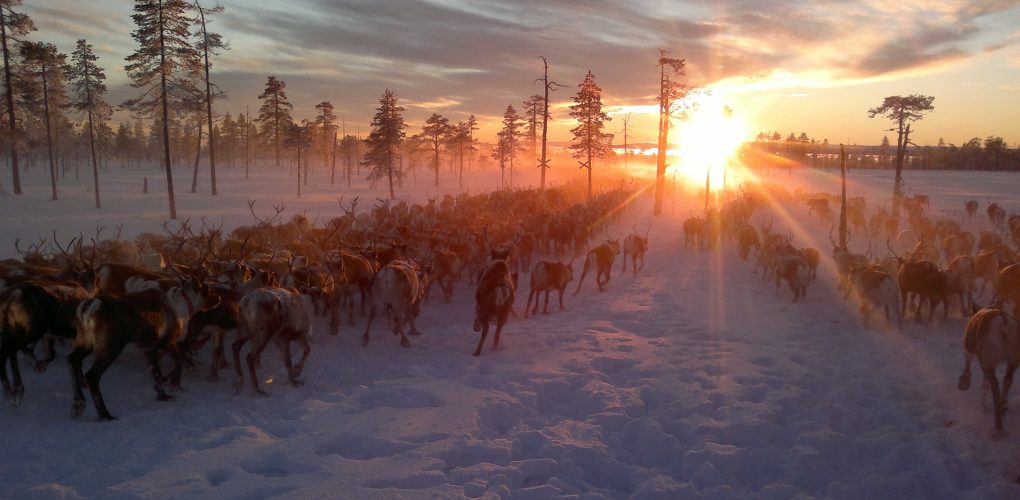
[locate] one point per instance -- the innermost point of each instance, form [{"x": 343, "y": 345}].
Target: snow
[{"x": 690, "y": 379}]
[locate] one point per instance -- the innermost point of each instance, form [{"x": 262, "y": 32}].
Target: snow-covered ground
[{"x": 690, "y": 379}]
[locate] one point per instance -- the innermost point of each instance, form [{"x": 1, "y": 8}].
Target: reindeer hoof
[
  {"x": 164, "y": 397},
  {"x": 405, "y": 343},
  {"x": 77, "y": 408},
  {"x": 477, "y": 326},
  {"x": 107, "y": 417},
  {"x": 964, "y": 383},
  {"x": 415, "y": 332},
  {"x": 297, "y": 383},
  {"x": 40, "y": 366},
  {"x": 260, "y": 393},
  {"x": 364, "y": 341},
  {"x": 476, "y": 353},
  {"x": 238, "y": 384}
]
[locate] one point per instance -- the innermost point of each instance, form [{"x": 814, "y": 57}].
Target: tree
[
  {"x": 902, "y": 110},
  {"x": 459, "y": 138},
  {"x": 671, "y": 91},
  {"x": 534, "y": 107},
  {"x": 508, "y": 143},
  {"x": 384, "y": 140},
  {"x": 209, "y": 43},
  {"x": 435, "y": 131},
  {"x": 589, "y": 139},
  {"x": 163, "y": 66},
  {"x": 88, "y": 86},
  {"x": 46, "y": 68},
  {"x": 12, "y": 25},
  {"x": 883, "y": 151},
  {"x": 274, "y": 113},
  {"x": 299, "y": 137},
  {"x": 325, "y": 129},
  {"x": 547, "y": 86}
]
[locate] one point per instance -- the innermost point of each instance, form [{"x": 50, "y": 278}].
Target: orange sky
[{"x": 792, "y": 66}]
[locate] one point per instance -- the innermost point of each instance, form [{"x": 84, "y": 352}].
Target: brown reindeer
[
  {"x": 601, "y": 258},
  {"x": 993, "y": 337},
  {"x": 546, "y": 277},
  {"x": 494, "y": 299}
]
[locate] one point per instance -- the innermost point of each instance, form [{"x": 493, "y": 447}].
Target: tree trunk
[
  {"x": 660, "y": 157},
  {"x": 842, "y": 198},
  {"x": 332, "y": 163},
  {"x": 209, "y": 115},
  {"x": 166, "y": 117},
  {"x": 198, "y": 156},
  {"x": 12, "y": 124},
  {"x": 49, "y": 134},
  {"x": 95, "y": 162},
  {"x": 544, "y": 163}
]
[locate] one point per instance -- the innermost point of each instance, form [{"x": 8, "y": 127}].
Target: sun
[{"x": 708, "y": 142}]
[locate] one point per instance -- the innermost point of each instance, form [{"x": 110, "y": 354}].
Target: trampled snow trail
[{"x": 692, "y": 378}]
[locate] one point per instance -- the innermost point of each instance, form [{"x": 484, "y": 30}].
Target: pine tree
[
  {"x": 589, "y": 140},
  {"x": 533, "y": 110},
  {"x": 163, "y": 66},
  {"x": 88, "y": 86},
  {"x": 902, "y": 110},
  {"x": 209, "y": 43},
  {"x": 435, "y": 132},
  {"x": 508, "y": 143},
  {"x": 325, "y": 131},
  {"x": 671, "y": 91},
  {"x": 12, "y": 26},
  {"x": 385, "y": 139},
  {"x": 274, "y": 113},
  {"x": 46, "y": 68}
]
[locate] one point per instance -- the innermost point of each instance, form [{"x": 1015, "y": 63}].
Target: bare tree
[
  {"x": 547, "y": 86},
  {"x": 46, "y": 68}
]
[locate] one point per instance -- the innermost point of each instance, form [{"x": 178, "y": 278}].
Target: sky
[{"x": 813, "y": 66}]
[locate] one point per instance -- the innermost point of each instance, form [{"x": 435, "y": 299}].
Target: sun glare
[{"x": 708, "y": 142}]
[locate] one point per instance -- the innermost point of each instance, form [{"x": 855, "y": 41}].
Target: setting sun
[{"x": 707, "y": 141}]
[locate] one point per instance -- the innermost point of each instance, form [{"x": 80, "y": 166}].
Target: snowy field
[{"x": 690, "y": 379}]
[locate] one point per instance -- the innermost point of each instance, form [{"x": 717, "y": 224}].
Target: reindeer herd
[
  {"x": 944, "y": 263},
  {"x": 173, "y": 293}
]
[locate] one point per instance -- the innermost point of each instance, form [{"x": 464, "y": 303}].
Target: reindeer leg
[
  {"x": 4, "y": 355},
  {"x": 18, "y": 391},
  {"x": 100, "y": 364},
  {"x": 157, "y": 374},
  {"x": 368, "y": 326},
  {"x": 545, "y": 305},
  {"x": 527, "y": 307},
  {"x": 481, "y": 340},
  {"x": 561, "y": 298},
  {"x": 74, "y": 362},
  {"x": 236, "y": 349},
  {"x": 1007, "y": 382},
  {"x": 284, "y": 345},
  {"x": 996, "y": 398},
  {"x": 253, "y": 360},
  {"x": 305, "y": 349},
  {"x": 51, "y": 354}
]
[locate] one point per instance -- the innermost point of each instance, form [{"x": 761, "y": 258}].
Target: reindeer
[
  {"x": 106, "y": 324},
  {"x": 972, "y": 208},
  {"x": 876, "y": 288},
  {"x": 399, "y": 287},
  {"x": 693, "y": 231},
  {"x": 282, "y": 315},
  {"x": 601, "y": 258},
  {"x": 448, "y": 270},
  {"x": 494, "y": 299},
  {"x": 635, "y": 245},
  {"x": 993, "y": 337},
  {"x": 546, "y": 277},
  {"x": 996, "y": 215},
  {"x": 29, "y": 311},
  {"x": 747, "y": 238},
  {"x": 792, "y": 268}
]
